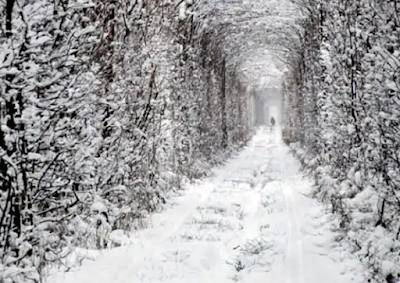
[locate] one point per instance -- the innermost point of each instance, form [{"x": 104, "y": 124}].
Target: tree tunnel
[
  {"x": 109, "y": 106},
  {"x": 116, "y": 103},
  {"x": 255, "y": 38}
]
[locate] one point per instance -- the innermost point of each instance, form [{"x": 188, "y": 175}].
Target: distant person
[{"x": 272, "y": 123}]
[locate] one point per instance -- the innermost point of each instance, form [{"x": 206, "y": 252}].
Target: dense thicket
[
  {"x": 105, "y": 106},
  {"x": 342, "y": 98}
]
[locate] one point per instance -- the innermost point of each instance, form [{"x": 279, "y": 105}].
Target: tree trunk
[
  {"x": 223, "y": 106},
  {"x": 10, "y": 5}
]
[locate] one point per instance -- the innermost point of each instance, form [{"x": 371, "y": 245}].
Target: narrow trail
[{"x": 251, "y": 222}]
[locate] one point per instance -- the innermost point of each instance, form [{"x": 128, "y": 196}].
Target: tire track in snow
[
  {"x": 223, "y": 178},
  {"x": 253, "y": 249},
  {"x": 294, "y": 265},
  {"x": 150, "y": 246},
  {"x": 294, "y": 250}
]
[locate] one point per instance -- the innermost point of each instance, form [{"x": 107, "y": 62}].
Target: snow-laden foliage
[
  {"x": 342, "y": 96},
  {"x": 105, "y": 106}
]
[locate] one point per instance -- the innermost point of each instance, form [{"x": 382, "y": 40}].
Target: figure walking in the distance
[{"x": 272, "y": 123}]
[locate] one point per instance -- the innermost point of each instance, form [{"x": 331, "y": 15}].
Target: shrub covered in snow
[
  {"x": 342, "y": 99},
  {"x": 105, "y": 107}
]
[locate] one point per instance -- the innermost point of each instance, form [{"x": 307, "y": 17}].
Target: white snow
[
  {"x": 98, "y": 207},
  {"x": 250, "y": 222}
]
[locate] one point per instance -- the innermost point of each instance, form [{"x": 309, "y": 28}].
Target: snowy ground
[{"x": 251, "y": 222}]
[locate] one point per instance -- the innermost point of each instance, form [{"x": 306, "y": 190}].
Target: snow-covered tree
[
  {"x": 105, "y": 106},
  {"x": 342, "y": 96}
]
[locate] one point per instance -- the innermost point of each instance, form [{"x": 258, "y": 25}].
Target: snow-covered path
[{"x": 251, "y": 222}]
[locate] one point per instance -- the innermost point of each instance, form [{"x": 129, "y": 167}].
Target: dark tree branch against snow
[{"x": 9, "y": 8}]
